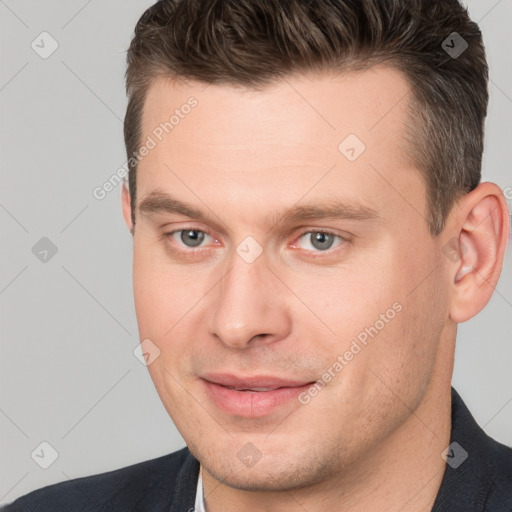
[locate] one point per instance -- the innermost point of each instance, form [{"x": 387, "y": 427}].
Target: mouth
[
  {"x": 251, "y": 397},
  {"x": 251, "y": 389}
]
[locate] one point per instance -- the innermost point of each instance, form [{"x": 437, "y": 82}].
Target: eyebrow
[{"x": 157, "y": 202}]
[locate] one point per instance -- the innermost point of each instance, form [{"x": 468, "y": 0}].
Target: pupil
[
  {"x": 192, "y": 237},
  {"x": 322, "y": 240}
]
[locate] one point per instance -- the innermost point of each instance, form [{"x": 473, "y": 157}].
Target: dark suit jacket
[{"x": 482, "y": 482}]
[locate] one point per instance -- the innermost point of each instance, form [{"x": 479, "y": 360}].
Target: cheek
[
  {"x": 403, "y": 354},
  {"x": 381, "y": 315},
  {"x": 164, "y": 297},
  {"x": 169, "y": 300},
  {"x": 347, "y": 299},
  {"x": 162, "y": 292}
]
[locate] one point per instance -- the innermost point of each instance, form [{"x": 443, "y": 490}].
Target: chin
[{"x": 272, "y": 474}]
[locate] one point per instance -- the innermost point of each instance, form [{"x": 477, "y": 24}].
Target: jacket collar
[{"x": 466, "y": 486}]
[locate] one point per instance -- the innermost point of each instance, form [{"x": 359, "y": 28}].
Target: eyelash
[{"x": 313, "y": 254}]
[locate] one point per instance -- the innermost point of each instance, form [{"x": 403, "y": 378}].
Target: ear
[
  {"x": 127, "y": 210},
  {"x": 476, "y": 250}
]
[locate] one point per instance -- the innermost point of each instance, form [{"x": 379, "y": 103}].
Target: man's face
[{"x": 251, "y": 290}]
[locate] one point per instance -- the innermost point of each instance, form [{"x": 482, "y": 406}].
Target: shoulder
[
  {"x": 500, "y": 472},
  {"x": 480, "y": 470},
  {"x": 151, "y": 483}
]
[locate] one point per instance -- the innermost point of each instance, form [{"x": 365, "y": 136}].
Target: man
[{"x": 309, "y": 228}]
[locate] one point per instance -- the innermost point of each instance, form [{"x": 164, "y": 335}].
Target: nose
[{"x": 249, "y": 306}]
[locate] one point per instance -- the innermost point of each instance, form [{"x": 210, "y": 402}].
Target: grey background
[{"x": 68, "y": 375}]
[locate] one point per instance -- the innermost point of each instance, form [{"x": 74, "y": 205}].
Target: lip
[
  {"x": 251, "y": 404},
  {"x": 253, "y": 381}
]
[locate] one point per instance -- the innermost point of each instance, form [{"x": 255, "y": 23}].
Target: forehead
[
  {"x": 283, "y": 140},
  {"x": 316, "y": 109}
]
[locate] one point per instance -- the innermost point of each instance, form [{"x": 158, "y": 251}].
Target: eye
[
  {"x": 319, "y": 240},
  {"x": 189, "y": 237}
]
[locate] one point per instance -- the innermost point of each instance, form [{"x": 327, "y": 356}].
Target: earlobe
[
  {"x": 126, "y": 205},
  {"x": 479, "y": 250}
]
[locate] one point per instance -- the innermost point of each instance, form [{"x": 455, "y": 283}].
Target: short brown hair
[{"x": 252, "y": 43}]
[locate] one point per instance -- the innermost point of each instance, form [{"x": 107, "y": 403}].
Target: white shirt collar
[{"x": 199, "y": 505}]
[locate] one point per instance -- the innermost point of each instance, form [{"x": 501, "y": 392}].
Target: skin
[{"x": 372, "y": 438}]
